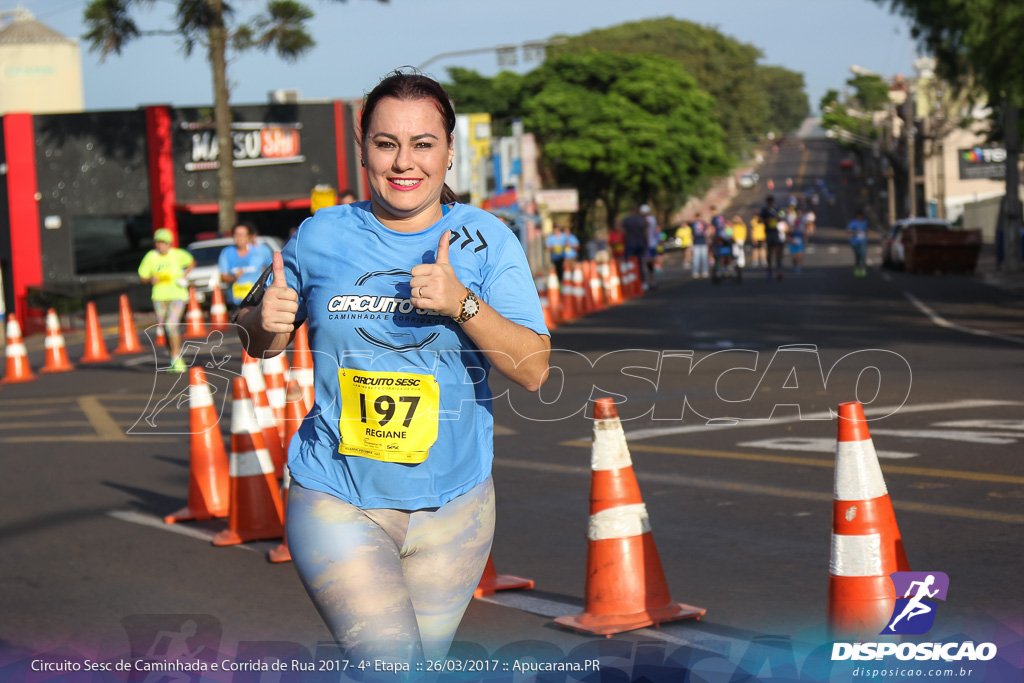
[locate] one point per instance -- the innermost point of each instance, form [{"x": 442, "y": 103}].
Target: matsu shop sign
[{"x": 252, "y": 144}]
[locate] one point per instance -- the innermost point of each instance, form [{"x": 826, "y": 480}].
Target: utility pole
[
  {"x": 911, "y": 161},
  {"x": 1010, "y": 218},
  {"x": 890, "y": 180}
]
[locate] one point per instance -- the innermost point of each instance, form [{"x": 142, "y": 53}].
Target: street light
[{"x": 533, "y": 51}]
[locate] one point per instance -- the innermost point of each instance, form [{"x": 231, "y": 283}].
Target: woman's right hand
[{"x": 280, "y": 302}]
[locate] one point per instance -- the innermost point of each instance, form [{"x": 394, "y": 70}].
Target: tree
[
  {"x": 722, "y": 66},
  {"x": 983, "y": 38},
  {"x": 620, "y": 127},
  {"x": 869, "y": 91},
  {"x": 500, "y": 96},
  {"x": 787, "y": 100},
  {"x": 281, "y": 27}
]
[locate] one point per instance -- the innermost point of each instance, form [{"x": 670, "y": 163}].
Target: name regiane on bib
[{"x": 388, "y": 416}]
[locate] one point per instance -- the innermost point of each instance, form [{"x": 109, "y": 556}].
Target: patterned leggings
[{"x": 391, "y": 584}]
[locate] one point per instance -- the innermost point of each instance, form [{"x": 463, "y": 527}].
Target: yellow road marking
[
  {"x": 739, "y": 487},
  {"x": 815, "y": 462},
  {"x": 800, "y": 171},
  {"x": 105, "y": 427},
  {"x": 28, "y": 413}
]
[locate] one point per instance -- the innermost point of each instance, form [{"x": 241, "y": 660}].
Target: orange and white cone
[
  {"x": 209, "y": 481},
  {"x": 555, "y": 297},
  {"x": 95, "y": 347},
  {"x": 296, "y": 413},
  {"x": 302, "y": 365},
  {"x": 579, "y": 292},
  {"x": 128, "y": 340},
  {"x": 625, "y": 587},
  {"x": 596, "y": 288},
  {"x": 256, "y": 509},
  {"x": 866, "y": 543},
  {"x": 614, "y": 283},
  {"x": 491, "y": 582},
  {"x": 18, "y": 368},
  {"x": 273, "y": 376},
  {"x": 252, "y": 373},
  {"x": 218, "y": 311},
  {"x": 628, "y": 277},
  {"x": 56, "y": 350},
  {"x": 194, "y": 326},
  {"x": 545, "y": 305},
  {"x": 569, "y": 312}
]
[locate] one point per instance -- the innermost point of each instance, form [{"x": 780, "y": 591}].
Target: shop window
[{"x": 110, "y": 244}]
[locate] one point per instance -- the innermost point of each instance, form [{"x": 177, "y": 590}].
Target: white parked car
[
  {"x": 748, "y": 180},
  {"x": 205, "y": 276}
]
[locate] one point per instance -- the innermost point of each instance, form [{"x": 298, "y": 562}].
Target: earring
[
  {"x": 450, "y": 165},
  {"x": 362, "y": 163}
]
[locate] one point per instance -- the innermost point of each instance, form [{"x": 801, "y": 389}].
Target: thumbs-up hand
[
  {"x": 280, "y": 302},
  {"x": 435, "y": 286}
]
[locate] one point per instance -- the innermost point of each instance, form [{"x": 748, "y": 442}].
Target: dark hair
[{"x": 411, "y": 86}]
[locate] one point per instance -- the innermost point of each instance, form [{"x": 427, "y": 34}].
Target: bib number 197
[{"x": 388, "y": 416}]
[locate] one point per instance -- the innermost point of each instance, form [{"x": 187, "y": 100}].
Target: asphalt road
[{"x": 741, "y": 511}]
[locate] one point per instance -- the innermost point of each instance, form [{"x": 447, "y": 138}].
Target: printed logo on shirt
[{"x": 396, "y": 308}]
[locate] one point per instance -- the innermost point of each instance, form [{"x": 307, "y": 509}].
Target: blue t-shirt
[
  {"x": 572, "y": 246},
  {"x": 557, "y": 244},
  {"x": 255, "y": 261},
  {"x": 858, "y": 231},
  {"x": 352, "y": 275},
  {"x": 700, "y": 233}
]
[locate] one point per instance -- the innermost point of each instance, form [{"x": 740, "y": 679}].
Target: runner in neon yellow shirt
[{"x": 165, "y": 267}]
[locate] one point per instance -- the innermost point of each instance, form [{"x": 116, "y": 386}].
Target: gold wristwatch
[{"x": 468, "y": 307}]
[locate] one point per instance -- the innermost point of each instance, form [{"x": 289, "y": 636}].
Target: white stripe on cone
[
  {"x": 199, "y": 396},
  {"x": 253, "y": 377},
  {"x": 251, "y": 463},
  {"x": 858, "y": 474},
  {"x": 609, "y": 450},
  {"x": 304, "y": 376},
  {"x": 265, "y": 417},
  {"x": 625, "y": 521},
  {"x": 17, "y": 349},
  {"x": 53, "y": 342},
  {"x": 243, "y": 417},
  {"x": 856, "y": 555}
]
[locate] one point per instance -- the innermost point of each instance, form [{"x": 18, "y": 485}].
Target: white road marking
[
  {"x": 655, "y": 432},
  {"x": 950, "y": 435},
  {"x": 984, "y": 424},
  {"x": 814, "y": 445},
  {"x": 184, "y": 530},
  {"x": 671, "y": 632},
  {"x": 942, "y": 322}
]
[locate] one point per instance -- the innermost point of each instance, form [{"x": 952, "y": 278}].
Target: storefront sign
[
  {"x": 982, "y": 162},
  {"x": 559, "y": 201},
  {"x": 253, "y": 144}
]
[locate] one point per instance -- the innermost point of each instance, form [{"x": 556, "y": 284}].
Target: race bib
[
  {"x": 388, "y": 416},
  {"x": 239, "y": 290},
  {"x": 164, "y": 277}
]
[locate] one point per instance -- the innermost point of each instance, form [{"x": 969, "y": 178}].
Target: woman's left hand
[{"x": 435, "y": 286}]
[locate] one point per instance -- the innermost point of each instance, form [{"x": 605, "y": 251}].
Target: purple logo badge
[{"x": 915, "y": 610}]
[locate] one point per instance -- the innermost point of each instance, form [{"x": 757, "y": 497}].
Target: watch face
[{"x": 470, "y": 306}]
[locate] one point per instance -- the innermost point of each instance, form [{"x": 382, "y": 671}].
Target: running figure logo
[{"x": 915, "y": 612}]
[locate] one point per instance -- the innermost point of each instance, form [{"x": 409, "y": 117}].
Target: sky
[{"x": 359, "y": 41}]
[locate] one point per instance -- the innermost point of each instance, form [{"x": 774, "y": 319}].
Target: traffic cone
[
  {"x": 296, "y": 413},
  {"x": 579, "y": 292},
  {"x": 569, "y": 311},
  {"x": 615, "y": 282},
  {"x": 56, "y": 351},
  {"x": 596, "y": 289},
  {"x": 555, "y": 296},
  {"x": 866, "y": 543},
  {"x": 273, "y": 376},
  {"x": 209, "y": 482},
  {"x": 302, "y": 365},
  {"x": 194, "y": 327},
  {"x": 545, "y": 305},
  {"x": 628, "y": 278},
  {"x": 625, "y": 588},
  {"x": 256, "y": 509},
  {"x": 128, "y": 340},
  {"x": 18, "y": 368},
  {"x": 161, "y": 336},
  {"x": 218, "y": 312},
  {"x": 257, "y": 386},
  {"x": 491, "y": 582},
  {"x": 638, "y": 282},
  {"x": 95, "y": 347}
]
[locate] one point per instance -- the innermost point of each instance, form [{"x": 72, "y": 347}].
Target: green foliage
[
  {"x": 500, "y": 96},
  {"x": 722, "y": 66},
  {"x": 870, "y": 91},
  {"x": 979, "y": 36},
  {"x": 623, "y": 127},
  {"x": 787, "y": 101}
]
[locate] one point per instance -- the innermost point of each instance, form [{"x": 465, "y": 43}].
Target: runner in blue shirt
[
  {"x": 858, "y": 229},
  {"x": 241, "y": 263},
  {"x": 410, "y": 299}
]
